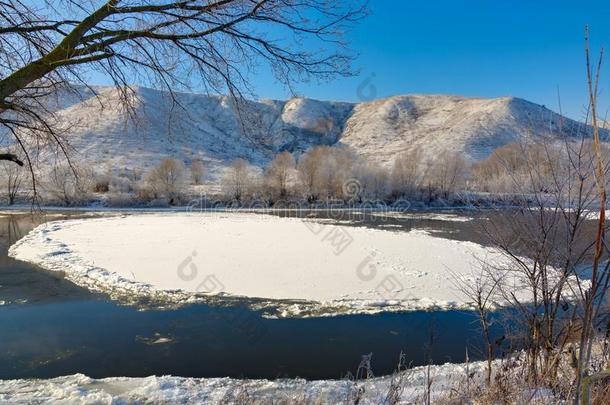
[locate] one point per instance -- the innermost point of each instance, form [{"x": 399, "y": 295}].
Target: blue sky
[
  {"x": 476, "y": 48},
  {"x": 527, "y": 49}
]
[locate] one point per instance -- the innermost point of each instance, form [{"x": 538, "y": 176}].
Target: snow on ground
[
  {"x": 80, "y": 389},
  {"x": 315, "y": 265}
]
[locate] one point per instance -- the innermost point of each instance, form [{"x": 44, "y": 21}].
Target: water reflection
[
  {"x": 21, "y": 282},
  {"x": 100, "y": 338}
]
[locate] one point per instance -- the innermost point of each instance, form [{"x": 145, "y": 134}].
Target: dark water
[{"x": 50, "y": 327}]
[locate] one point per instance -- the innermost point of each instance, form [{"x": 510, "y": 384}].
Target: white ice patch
[
  {"x": 305, "y": 267},
  {"x": 423, "y": 216}
]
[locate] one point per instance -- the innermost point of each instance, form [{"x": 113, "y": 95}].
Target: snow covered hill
[
  {"x": 103, "y": 134},
  {"x": 472, "y": 126}
]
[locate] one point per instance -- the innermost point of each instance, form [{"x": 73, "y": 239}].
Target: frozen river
[{"x": 52, "y": 327}]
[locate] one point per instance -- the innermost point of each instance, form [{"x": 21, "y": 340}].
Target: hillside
[
  {"x": 471, "y": 126},
  {"x": 103, "y": 134}
]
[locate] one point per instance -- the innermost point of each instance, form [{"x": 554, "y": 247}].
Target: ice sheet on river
[{"x": 301, "y": 267}]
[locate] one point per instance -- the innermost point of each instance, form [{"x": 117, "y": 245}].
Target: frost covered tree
[
  {"x": 337, "y": 169},
  {"x": 508, "y": 168},
  {"x": 67, "y": 184},
  {"x": 494, "y": 173},
  {"x": 447, "y": 173},
  {"x": 279, "y": 172},
  {"x": 167, "y": 178},
  {"x": 309, "y": 172},
  {"x": 197, "y": 171},
  {"x": 324, "y": 170},
  {"x": 237, "y": 179},
  {"x": 553, "y": 230},
  {"x": 406, "y": 174},
  {"x": 373, "y": 180}
]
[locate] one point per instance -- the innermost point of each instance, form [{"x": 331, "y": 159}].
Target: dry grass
[{"x": 509, "y": 385}]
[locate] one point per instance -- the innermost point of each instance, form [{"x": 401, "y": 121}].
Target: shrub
[
  {"x": 120, "y": 185},
  {"x": 101, "y": 183}
]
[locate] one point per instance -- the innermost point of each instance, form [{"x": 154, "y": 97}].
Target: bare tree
[
  {"x": 447, "y": 173},
  {"x": 236, "y": 179},
  {"x": 66, "y": 184},
  {"x": 214, "y": 44},
  {"x": 13, "y": 177},
  {"x": 480, "y": 289},
  {"x": 197, "y": 171},
  {"x": 278, "y": 173},
  {"x": 167, "y": 178},
  {"x": 340, "y": 168},
  {"x": 324, "y": 170},
  {"x": 549, "y": 242},
  {"x": 497, "y": 171},
  {"x": 509, "y": 167},
  {"x": 373, "y": 181},
  {"x": 406, "y": 173},
  {"x": 600, "y": 271},
  {"x": 309, "y": 172}
]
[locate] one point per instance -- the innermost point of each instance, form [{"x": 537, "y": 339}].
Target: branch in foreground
[{"x": 11, "y": 157}]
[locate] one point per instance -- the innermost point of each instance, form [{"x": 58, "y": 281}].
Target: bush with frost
[
  {"x": 67, "y": 185},
  {"x": 241, "y": 181},
  {"x": 373, "y": 181},
  {"x": 167, "y": 180},
  {"x": 279, "y": 175},
  {"x": 324, "y": 170},
  {"x": 407, "y": 173},
  {"x": 119, "y": 184},
  {"x": 197, "y": 171},
  {"x": 447, "y": 174}
]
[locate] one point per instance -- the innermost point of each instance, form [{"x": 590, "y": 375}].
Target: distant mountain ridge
[{"x": 212, "y": 128}]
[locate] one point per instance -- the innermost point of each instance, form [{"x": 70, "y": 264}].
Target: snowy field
[
  {"x": 309, "y": 265},
  {"x": 80, "y": 389}
]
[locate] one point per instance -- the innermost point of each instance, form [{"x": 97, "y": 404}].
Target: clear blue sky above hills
[{"x": 492, "y": 48}]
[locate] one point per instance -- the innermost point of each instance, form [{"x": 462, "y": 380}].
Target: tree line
[{"x": 320, "y": 174}]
